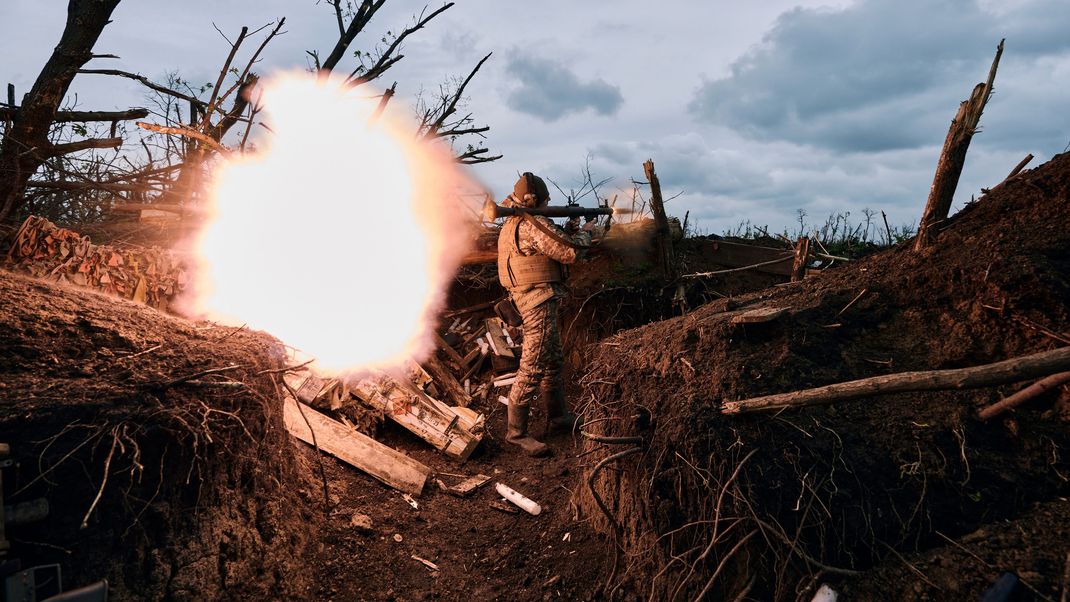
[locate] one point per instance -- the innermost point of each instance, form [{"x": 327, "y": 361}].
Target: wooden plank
[
  {"x": 737, "y": 255},
  {"x": 467, "y": 486},
  {"x": 356, "y": 449},
  {"x": 496, "y": 338},
  {"x": 757, "y": 316},
  {"x": 455, "y": 431}
]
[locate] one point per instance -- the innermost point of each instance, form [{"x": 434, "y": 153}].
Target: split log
[
  {"x": 661, "y": 222},
  {"x": 1034, "y": 390},
  {"x": 953, "y": 157},
  {"x": 1007, "y": 371},
  {"x": 356, "y": 449}
]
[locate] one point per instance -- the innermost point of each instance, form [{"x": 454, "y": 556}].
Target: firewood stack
[{"x": 152, "y": 276}]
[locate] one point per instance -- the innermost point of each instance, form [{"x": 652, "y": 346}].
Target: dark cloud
[
  {"x": 879, "y": 75},
  {"x": 549, "y": 90}
]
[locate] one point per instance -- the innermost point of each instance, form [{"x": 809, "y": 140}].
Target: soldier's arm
[{"x": 551, "y": 246}]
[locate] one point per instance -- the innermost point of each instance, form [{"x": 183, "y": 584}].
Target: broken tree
[
  {"x": 26, "y": 144},
  {"x": 953, "y": 157}
]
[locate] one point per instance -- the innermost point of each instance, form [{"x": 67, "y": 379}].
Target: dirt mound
[
  {"x": 168, "y": 481},
  {"x": 774, "y": 504}
]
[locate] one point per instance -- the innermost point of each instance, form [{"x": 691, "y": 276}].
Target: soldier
[{"x": 531, "y": 251}]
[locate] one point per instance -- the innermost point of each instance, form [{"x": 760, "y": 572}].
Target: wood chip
[
  {"x": 427, "y": 563},
  {"x": 505, "y": 507}
]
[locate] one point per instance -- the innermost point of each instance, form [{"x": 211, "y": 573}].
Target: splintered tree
[
  {"x": 953, "y": 157},
  {"x": 26, "y": 145}
]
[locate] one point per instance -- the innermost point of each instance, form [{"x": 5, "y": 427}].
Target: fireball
[{"x": 339, "y": 235}]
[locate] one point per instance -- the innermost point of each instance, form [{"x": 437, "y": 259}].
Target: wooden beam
[
  {"x": 1007, "y": 371},
  {"x": 356, "y": 449}
]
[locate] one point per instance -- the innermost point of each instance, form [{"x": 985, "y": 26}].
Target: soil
[
  {"x": 190, "y": 488},
  {"x": 767, "y": 506}
]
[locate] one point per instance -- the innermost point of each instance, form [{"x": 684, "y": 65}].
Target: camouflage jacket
[{"x": 533, "y": 241}]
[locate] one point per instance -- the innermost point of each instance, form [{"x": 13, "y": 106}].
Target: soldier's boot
[
  {"x": 517, "y": 431},
  {"x": 557, "y": 413}
]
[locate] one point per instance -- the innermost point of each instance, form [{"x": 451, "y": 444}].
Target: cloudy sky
[{"x": 751, "y": 111}]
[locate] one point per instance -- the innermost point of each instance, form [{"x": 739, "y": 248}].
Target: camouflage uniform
[{"x": 539, "y": 376}]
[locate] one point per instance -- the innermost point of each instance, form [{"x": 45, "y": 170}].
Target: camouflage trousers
[{"x": 540, "y": 354}]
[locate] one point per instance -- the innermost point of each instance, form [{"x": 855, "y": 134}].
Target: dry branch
[
  {"x": 1007, "y": 371},
  {"x": 7, "y": 113},
  {"x": 56, "y": 150},
  {"x": 181, "y": 131},
  {"x": 1034, "y": 390}
]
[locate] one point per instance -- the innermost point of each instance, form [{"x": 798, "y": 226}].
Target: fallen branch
[
  {"x": 742, "y": 269},
  {"x": 1034, "y": 390},
  {"x": 177, "y": 131},
  {"x": 1007, "y": 371},
  {"x": 8, "y": 113}
]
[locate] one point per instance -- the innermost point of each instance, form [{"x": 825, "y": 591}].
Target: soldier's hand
[{"x": 572, "y": 226}]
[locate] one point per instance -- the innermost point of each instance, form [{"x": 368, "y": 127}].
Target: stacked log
[{"x": 152, "y": 276}]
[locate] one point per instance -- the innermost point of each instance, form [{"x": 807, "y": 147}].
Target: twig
[
  {"x": 744, "y": 268},
  {"x": 286, "y": 368},
  {"x": 967, "y": 551},
  {"x": 724, "y": 561},
  {"x": 104, "y": 481},
  {"x": 852, "y": 302},
  {"x": 613, "y": 440},
  {"x": 181, "y": 131},
  {"x": 315, "y": 445},
  {"x": 182, "y": 379},
  {"x": 1040, "y": 328},
  {"x": 913, "y": 568},
  {"x": 139, "y": 353}
]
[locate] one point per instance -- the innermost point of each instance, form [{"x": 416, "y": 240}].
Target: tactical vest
[{"x": 516, "y": 269}]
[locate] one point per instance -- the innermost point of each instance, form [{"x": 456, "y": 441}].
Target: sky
[{"x": 752, "y": 112}]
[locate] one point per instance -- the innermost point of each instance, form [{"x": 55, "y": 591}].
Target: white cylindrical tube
[{"x": 513, "y": 496}]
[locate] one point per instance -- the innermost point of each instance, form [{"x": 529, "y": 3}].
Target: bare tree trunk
[
  {"x": 661, "y": 222},
  {"x": 26, "y": 145},
  {"x": 953, "y": 157}
]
